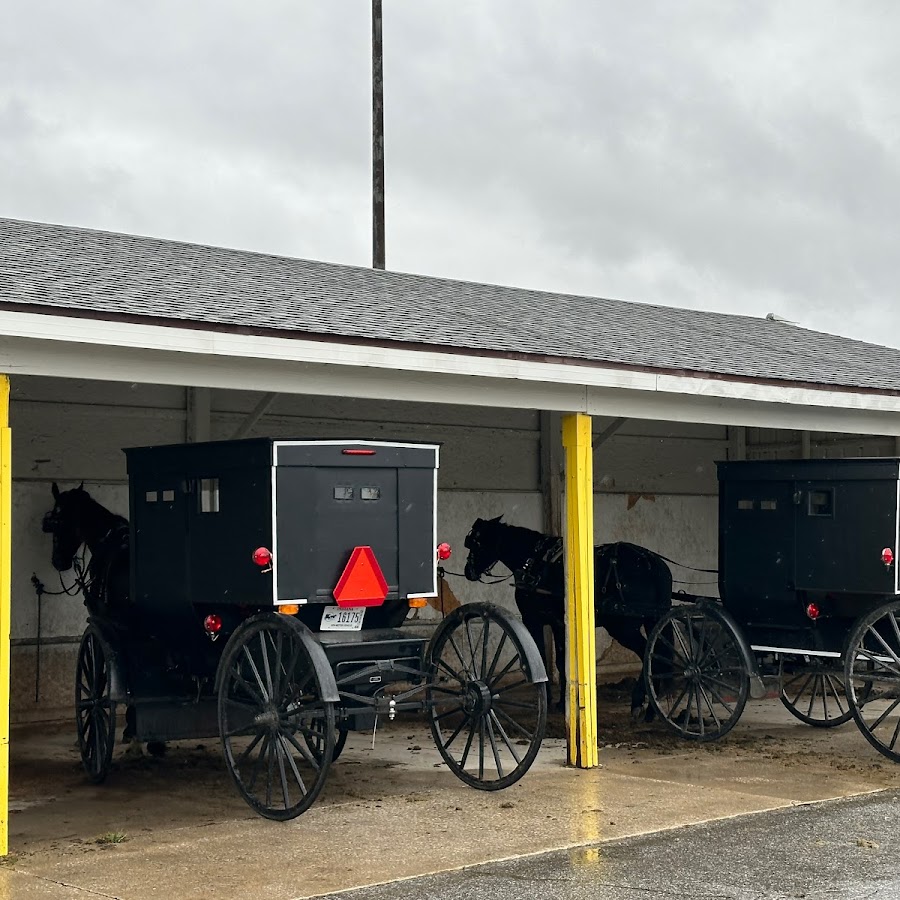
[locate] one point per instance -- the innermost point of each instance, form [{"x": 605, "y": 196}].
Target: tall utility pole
[{"x": 377, "y": 140}]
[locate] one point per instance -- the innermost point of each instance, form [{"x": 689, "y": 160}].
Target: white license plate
[{"x": 336, "y": 618}]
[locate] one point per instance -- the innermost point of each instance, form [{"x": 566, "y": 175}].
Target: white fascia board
[
  {"x": 240, "y": 346},
  {"x": 69, "y": 346},
  {"x": 697, "y": 407}
]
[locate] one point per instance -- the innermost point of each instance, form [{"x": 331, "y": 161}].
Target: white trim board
[{"x": 35, "y": 344}]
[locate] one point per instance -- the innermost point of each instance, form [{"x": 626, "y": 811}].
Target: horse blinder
[{"x": 51, "y": 522}]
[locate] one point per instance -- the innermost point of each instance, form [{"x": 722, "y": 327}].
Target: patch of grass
[{"x": 112, "y": 837}]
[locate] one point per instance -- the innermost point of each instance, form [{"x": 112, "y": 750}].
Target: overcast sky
[{"x": 741, "y": 157}]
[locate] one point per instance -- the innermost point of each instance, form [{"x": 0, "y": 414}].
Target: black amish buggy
[
  {"x": 809, "y": 598},
  {"x": 268, "y": 580}
]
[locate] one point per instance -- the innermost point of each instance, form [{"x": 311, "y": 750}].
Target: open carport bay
[{"x": 176, "y": 828}]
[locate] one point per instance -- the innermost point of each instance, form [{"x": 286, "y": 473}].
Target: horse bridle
[{"x": 472, "y": 543}]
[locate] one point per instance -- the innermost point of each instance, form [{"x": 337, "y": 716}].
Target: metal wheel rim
[
  {"x": 817, "y": 697},
  {"x": 277, "y": 733},
  {"x": 872, "y": 678},
  {"x": 487, "y": 719},
  {"x": 95, "y": 711},
  {"x": 697, "y": 680}
]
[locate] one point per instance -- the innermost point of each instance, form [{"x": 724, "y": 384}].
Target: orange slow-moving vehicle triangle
[{"x": 362, "y": 581}]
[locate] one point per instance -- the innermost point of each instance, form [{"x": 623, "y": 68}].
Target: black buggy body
[
  {"x": 799, "y": 532},
  {"x": 199, "y": 511},
  {"x": 269, "y": 581}
]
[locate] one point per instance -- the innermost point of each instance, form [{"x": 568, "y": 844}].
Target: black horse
[
  {"x": 76, "y": 521},
  {"x": 632, "y": 587}
]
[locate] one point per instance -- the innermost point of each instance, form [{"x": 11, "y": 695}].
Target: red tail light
[
  {"x": 444, "y": 551},
  {"x": 349, "y": 452},
  {"x": 887, "y": 556},
  {"x": 262, "y": 556},
  {"x": 212, "y": 624},
  {"x": 813, "y": 611}
]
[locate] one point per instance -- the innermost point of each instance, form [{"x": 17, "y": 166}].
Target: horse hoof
[
  {"x": 650, "y": 715},
  {"x": 636, "y": 713},
  {"x": 156, "y": 748}
]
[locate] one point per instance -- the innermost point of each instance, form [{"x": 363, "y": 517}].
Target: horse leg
[{"x": 628, "y": 633}]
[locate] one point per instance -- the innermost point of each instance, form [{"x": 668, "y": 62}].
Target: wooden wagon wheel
[
  {"x": 872, "y": 678},
  {"x": 277, "y": 732},
  {"x": 95, "y": 710},
  {"x": 697, "y": 678},
  {"x": 487, "y": 706},
  {"x": 814, "y": 693}
]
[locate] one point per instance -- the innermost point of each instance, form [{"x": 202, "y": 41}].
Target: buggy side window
[
  {"x": 343, "y": 492},
  {"x": 209, "y": 495},
  {"x": 746, "y": 504},
  {"x": 370, "y": 493},
  {"x": 150, "y": 497},
  {"x": 821, "y": 503},
  {"x": 768, "y": 504}
]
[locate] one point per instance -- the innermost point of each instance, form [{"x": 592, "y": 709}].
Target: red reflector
[
  {"x": 887, "y": 556},
  {"x": 813, "y": 611},
  {"x": 444, "y": 551},
  {"x": 362, "y": 582},
  {"x": 262, "y": 556},
  {"x": 349, "y": 452},
  {"x": 213, "y": 624}
]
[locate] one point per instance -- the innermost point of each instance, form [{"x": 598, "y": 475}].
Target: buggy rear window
[
  {"x": 209, "y": 495},
  {"x": 821, "y": 503}
]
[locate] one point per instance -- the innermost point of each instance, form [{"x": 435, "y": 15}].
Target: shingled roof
[{"x": 113, "y": 276}]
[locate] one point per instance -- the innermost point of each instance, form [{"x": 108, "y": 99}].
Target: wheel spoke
[
  {"x": 802, "y": 690},
  {"x": 293, "y": 764},
  {"x": 514, "y": 724},
  {"x": 262, "y": 688},
  {"x": 451, "y": 672},
  {"x": 453, "y": 711},
  {"x": 305, "y": 752},
  {"x": 490, "y": 672},
  {"x": 465, "y": 756},
  {"x": 484, "y": 649},
  {"x": 456, "y": 733},
  {"x": 279, "y": 749},
  {"x": 812, "y": 696},
  {"x": 884, "y": 715},
  {"x": 510, "y": 687},
  {"x": 497, "y": 678},
  {"x": 490, "y": 731},
  {"x": 469, "y": 675},
  {"x": 709, "y": 705},
  {"x": 505, "y": 738}
]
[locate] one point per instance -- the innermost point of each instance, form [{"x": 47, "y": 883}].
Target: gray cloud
[{"x": 732, "y": 156}]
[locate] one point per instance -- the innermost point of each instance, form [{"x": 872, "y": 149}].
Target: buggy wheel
[
  {"x": 696, "y": 677},
  {"x": 487, "y": 715},
  {"x": 814, "y": 693},
  {"x": 95, "y": 710},
  {"x": 872, "y": 678},
  {"x": 277, "y": 732}
]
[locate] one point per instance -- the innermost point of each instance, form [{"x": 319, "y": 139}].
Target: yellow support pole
[
  {"x": 581, "y": 637},
  {"x": 5, "y": 604}
]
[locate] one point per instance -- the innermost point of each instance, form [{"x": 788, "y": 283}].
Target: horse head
[
  {"x": 65, "y": 522},
  {"x": 482, "y": 542}
]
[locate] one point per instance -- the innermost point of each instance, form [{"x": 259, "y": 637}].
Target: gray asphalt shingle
[{"x": 104, "y": 273}]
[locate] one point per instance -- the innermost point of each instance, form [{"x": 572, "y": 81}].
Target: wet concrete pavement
[
  {"x": 840, "y": 850},
  {"x": 395, "y": 812}
]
